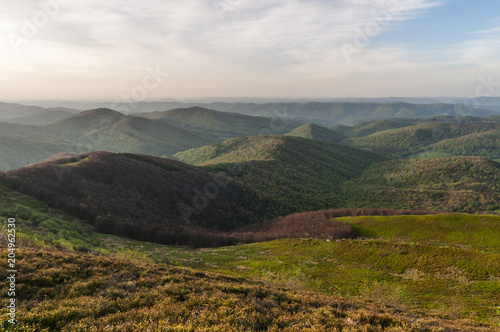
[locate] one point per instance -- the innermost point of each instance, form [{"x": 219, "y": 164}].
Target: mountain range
[{"x": 377, "y": 225}]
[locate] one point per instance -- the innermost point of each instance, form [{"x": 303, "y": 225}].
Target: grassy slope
[
  {"x": 310, "y": 130},
  {"x": 69, "y": 292},
  {"x": 419, "y": 264},
  {"x": 293, "y": 173},
  {"x": 124, "y": 290},
  {"x": 458, "y": 184}
]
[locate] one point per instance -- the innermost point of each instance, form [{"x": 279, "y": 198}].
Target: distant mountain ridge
[
  {"x": 325, "y": 113},
  {"x": 220, "y": 124},
  {"x": 99, "y": 129},
  {"x": 410, "y": 140}
]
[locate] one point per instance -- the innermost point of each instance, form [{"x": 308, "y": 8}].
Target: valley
[{"x": 192, "y": 218}]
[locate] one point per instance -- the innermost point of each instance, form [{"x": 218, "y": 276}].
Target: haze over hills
[
  {"x": 42, "y": 117},
  {"x": 24, "y": 114},
  {"x": 326, "y": 113},
  {"x": 12, "y": 110},
  {"x": 99, "y": 129},
  {"x": 116, "y": 132},
  {"x": 23, "y": 145},
  {"x": 220, "y": 124}
]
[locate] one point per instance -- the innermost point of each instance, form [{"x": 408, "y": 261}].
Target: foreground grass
[
  {"x": 61, "y": 291},
  {"x": 436, "y": 269},
  {"x": 444, "y": 265},
  {"x": 477, "y": 232}
]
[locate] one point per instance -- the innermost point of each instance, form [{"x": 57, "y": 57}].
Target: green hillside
[
  {"x": 365, "y": 129},
  {"x": 414, "y": 273},
  {"x": 310, "y": 130},
  {"x": 477, "y": 232},
  {"x": 418, "y": 138},
  {"x": 295, "y": 174},
  {"x": 458, "y": 184},
  {"x": 219, "y": 124},
  {"x": 100, "y": 129},
  {"x": 23, "y": 145},
  {"x": 130, "y": 295},
  {"x": 104, "y": 129},
  {"x": 142, "y": 197},
  {"x": 485, "y": 144},
  {"x": 441, "y": 266}
]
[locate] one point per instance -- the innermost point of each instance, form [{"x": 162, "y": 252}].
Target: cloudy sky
[{"x": 109, "y": 49}]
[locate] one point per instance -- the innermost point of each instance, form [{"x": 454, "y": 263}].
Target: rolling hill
[
  {"x": 294, "y": 173},
  {"x": 372, "y": 127},
  {"x": 104, "y": 129},
  {"x": 99, "y": 129},
  {"x": 458, "y": 184},
  {"x": 485, "y": 144},
  {"x": 220, "y": 124},
  {"x": 19, "y": 150},
  {"x": 142, "y": 197},
  {"x": 23, "y": 145},
  {"x": 43, "y": 117},
  {"x": 313, "y": 131},
  {"x": 332, "y": 113},
  {"x": 13, "y": 110},
  {"x": 326, "y": 113},
  {"x": 406, "y": 141}
]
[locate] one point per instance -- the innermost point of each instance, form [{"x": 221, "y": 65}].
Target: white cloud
[{"x": 222, "y": 47}]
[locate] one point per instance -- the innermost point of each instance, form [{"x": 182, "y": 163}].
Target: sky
[{"x": 131, "y": 50}]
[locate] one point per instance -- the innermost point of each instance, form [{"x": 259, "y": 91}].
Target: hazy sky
[{"x": 107, "y": 49}]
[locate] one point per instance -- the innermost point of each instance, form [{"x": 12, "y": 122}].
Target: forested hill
[
  {"x": 457, "y": 184},
  {"x": 296, "y": 174},
  {"x": 142, "y": 197}
]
